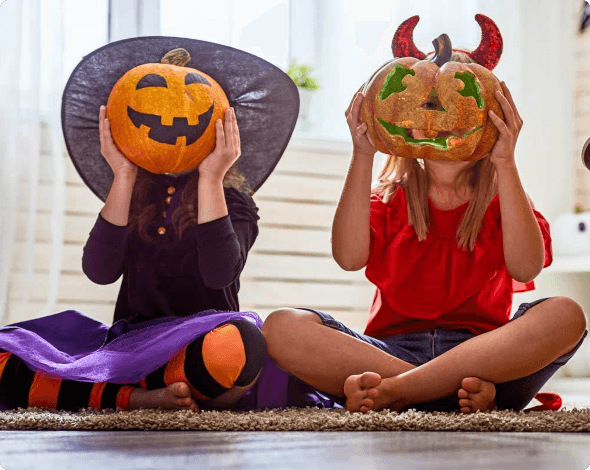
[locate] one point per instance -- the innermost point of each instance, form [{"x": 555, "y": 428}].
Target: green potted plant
[{"x": 306, "y": 85}]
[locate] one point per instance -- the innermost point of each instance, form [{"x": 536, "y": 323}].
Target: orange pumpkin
[
  {"x": 163, "y": 116},
  {"x": 446, "y": 101},
  {"x": 399, "y": 98}
]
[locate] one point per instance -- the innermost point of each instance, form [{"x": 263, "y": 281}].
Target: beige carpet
[{"x": 299, "y": 420}]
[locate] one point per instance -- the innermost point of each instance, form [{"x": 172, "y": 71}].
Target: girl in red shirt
[{"x": 445, "y": 244}]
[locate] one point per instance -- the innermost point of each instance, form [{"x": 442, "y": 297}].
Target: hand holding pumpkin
[
  {"x": 362, "y": 144},
  {"x": 503, "y": 150},
  {"x": 116, "y": 160},
  {"x": 227, "y": 148}
]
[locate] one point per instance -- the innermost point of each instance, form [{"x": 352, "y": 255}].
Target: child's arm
[
  {"x": 212, "y": 170},
  {"x": 116, "y": 208},
  {"x": 223, "y": 242},
  {"x": 350, "y": 229},
  {"x": 524, "y": 251},
  {"x": 104, "y": 252}
]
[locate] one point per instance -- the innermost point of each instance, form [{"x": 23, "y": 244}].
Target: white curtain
[{"x": 32, "y": 161}]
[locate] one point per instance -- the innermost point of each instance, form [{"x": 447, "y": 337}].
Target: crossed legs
[
  {"x": 520, "y": 348},
  {"x": 338, "y": 364},
  {"x": 216, "y": 369}
]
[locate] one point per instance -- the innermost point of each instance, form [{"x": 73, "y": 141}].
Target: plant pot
[{"x": 305, "y": 97}]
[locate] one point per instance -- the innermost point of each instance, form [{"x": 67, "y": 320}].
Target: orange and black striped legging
[{"x": 231, "y": 354}]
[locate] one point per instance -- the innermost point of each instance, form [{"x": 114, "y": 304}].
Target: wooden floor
[{"x": 42, "y": 450}]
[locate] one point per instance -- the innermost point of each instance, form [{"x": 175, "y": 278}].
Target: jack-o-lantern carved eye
[
  {"x": 195, "y": 78},
  {"x": 151, "y": 80},
  {"x": 471, "y": 87},
  {"x": 393, "y": 81}
]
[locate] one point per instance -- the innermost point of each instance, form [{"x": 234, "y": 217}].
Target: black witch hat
[{"x": 265, "y": 100}]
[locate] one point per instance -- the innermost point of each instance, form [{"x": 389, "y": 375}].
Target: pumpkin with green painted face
[
  {"x": 446, "y": 102},
  {"x": 163, "y": 115}
]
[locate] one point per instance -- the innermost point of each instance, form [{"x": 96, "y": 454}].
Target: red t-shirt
[{"x": 423, "y": 285}]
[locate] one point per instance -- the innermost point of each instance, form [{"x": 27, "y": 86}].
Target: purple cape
[{"x": 75, "y": 347}]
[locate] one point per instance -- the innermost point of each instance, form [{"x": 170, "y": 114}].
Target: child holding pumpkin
[
  {"x": 442, "y": 241},
  {"x": 196, "y": 270},
  {"x": 179, "y": 239},
  {"x": 193, "y": 271}
]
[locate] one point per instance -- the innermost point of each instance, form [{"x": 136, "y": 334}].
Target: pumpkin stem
[
  {"x": 443, "y": 50},
  {"x": 178, "y": 57}
]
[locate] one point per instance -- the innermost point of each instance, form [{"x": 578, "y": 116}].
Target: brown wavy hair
[
  {"x": 412, "y": 176},
  {"x": 141, "y": 214}
]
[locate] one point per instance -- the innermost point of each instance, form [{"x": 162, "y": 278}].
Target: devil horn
[
  {"x": 403, "y": 41},
  {"x": 490, "y": 48}
]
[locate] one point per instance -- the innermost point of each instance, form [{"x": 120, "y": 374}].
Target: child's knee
[
  {"x": 230, "y": 355},
  {"x": 573, "y": 314},
  {"x": 281, "y": 322},
  {"x": 276, "y": 320},
  {"x": 254, "y": 351}
]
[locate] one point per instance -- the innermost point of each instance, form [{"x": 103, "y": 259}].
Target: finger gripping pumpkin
[
  {"x": 163, "y": 115},
  {"x": 447, "y": 101}
]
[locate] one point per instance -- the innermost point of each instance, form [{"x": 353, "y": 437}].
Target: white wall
[{"x": 544, "y": 92}]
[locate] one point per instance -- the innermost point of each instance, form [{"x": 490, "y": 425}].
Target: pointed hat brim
[{"x": 265, "y": 99}]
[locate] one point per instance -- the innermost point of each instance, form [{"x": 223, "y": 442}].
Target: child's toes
[
  {"x": 367, "y": 402},
  {"x": 472, "y": 384},
  {"x": 372, "y": 393},
  {"x": 366, "y": 405},
  {"x": 464, "y": 403},
  {"x": 179, "y": 390},
  {"x": 369, "y": 380},
  {"x": 462, "y": 393}
]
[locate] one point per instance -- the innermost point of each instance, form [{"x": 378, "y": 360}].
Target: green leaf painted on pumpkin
[
  {"x": 393, "y": 81},
  {"x": 471, "y": 87},
  {"x": 438, "y": 142}
]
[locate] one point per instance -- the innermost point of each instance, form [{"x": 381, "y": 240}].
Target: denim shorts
[{"x": 419, "y": 348}]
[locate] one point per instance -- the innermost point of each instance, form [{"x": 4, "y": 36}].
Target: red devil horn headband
[{"x": 487, "y": 53}]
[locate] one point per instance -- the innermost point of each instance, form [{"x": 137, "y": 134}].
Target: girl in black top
[{"x": 181, "y": 251}]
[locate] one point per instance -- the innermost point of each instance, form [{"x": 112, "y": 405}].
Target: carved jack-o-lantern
[
  {"x": 163, "y": 116},
  {"x": 448, "y": 102}
]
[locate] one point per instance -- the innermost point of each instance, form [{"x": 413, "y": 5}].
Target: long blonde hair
[{"x": 413, "y": 178}]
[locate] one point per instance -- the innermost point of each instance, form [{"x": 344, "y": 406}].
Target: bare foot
[
  {"x": 176, "y": 396},
  {"x": 476, "y": 394},
  {"x": 361, "y": 391},
  {"x": 368, "y": 392}
]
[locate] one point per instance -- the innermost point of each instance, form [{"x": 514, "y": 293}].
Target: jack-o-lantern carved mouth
[
  {"x": 438, "y": 142},
  {"x": 179, "y": 127}
]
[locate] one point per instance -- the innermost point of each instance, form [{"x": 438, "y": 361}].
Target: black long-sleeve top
[{"x": 174, "y": 278}]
